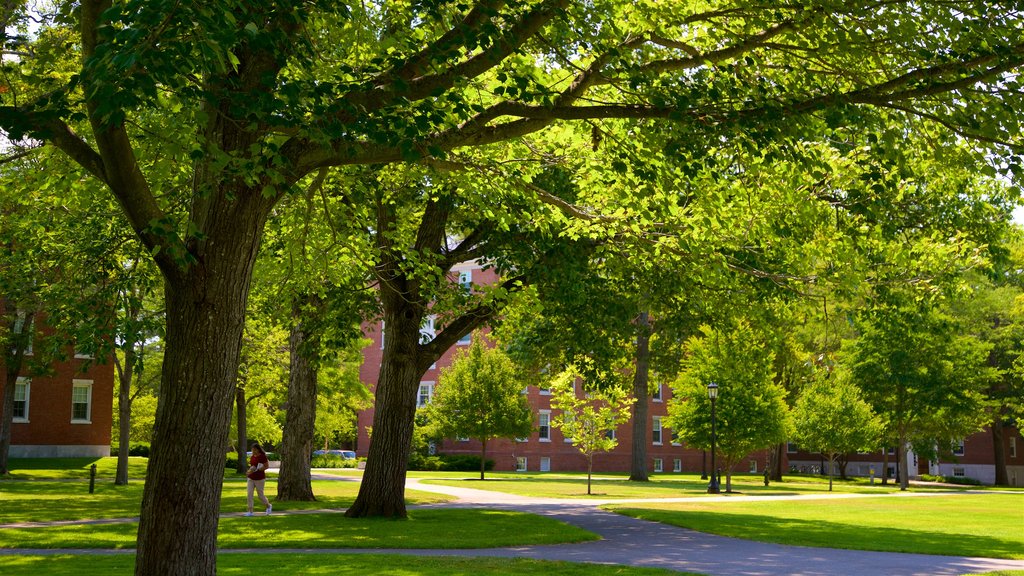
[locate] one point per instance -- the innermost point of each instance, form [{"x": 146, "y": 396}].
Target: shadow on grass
[{"x": 819, "y": 532}]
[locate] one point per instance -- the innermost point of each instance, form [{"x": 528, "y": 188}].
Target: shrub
[
  {"x": 331, "y": 461},
  {"x": 135, "y": 449},
  {"x": 964, "y": 480},
  {"x": 422, "y": 462},
  {"x": 463, "y": 463}
]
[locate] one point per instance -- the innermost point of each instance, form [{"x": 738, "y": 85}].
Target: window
[
  {"x": 656, "y": 396},
  {"x": 959, "y": 471},
  {"x": 466, "y": 280},
  {"x": 463, "y": 438},
  {"x": 753, "y": 466},
  {"x": 21, "y": 396},
  {"x": 890, "y": 451},
  {"x": 425, "y": 394},
  {"x": 568, "y": 418},
  {"x": 675, "y": 438},
  {"x": 1013, "y": 446},
  {"x": 791, "y": 448},
  {"x": 544, "y": 426},
  {"x": 81, "y": 401},
  {"x": 657, "y": 465},
  {"x": 958, "y": 447},
  {"x": 545, "y": 391},
  {"x": 656, "y": 430},
  {"x": 427, "y": 330},
  {"x": 677, "y": 465},
  {"x": 545, "y": 464},
  {"x": 465, "y": 340},
  {"x": 23, "y": 324},
  {"x": 382, "y": 335},
  {"x": 609, "y": 434},
  {"x": 520, "y": 463}
]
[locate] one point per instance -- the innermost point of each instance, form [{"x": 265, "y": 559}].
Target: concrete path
[{"x": 631, "y": 542}]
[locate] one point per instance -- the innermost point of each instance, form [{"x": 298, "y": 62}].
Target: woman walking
[{"x": 257, "y": 474}]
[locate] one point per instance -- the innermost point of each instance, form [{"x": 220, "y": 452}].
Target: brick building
[
  {"x": 67, "y": 412},
  {"x": 545, "y": 449}
]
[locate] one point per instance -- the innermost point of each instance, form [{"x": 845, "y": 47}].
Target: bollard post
[{"x": 92, "y": 478}]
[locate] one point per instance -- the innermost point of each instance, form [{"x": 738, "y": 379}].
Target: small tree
[
  {"x": 480, "y": 396},
  {"x": 588, "y": 420},
  {"x": 751, "y": 408},
  {"x": 832, "y": 418}
]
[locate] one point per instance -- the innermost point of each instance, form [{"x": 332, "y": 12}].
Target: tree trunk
[
  {"x": 382, "y": 491},
  {"x": 124, "y": 411},
  {"x": 294, "y": 481},
  {"x": 483, "y": 456},
  {"x": 779, "y": 453},
  {"x": 999, "y": 452},
  {"x": 831, "y": 469},
  {"x": 638, "y": 464},
  {"x": 842, "y": 460},
  {"x": 18, "y": 341},
  {"x": 206, "y": 305},
  {"x": 902, "y": 455},
  {"x": 590, "y": 471},
  {"x": 241, "y": 404},
  {"x": 885, "y": 466}
]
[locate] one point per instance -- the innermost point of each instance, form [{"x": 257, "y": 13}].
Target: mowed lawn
[
  {"x": 554, "y": 485},
  {"x": 329, "y": 565},
  {"x": 985, "y": 525}
]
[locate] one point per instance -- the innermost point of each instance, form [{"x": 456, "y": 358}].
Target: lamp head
[{"x": 712, "y": 390}]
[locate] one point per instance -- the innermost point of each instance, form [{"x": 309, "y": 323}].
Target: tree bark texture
[
  {"x": 778, "y": 452},
  {"x": 382, "y": 491},
  {"x": 206, "y": 306},
  {"x": 638, "y": 460},
  {"x": 13, "y": 360},
  {"x": 124, "y": 412},
  {"x": 295, "y": 481},
  {"x": 999, "y": 452},
  {"x": 483, "y": 457},
  {"x": 241, "y": 416}
]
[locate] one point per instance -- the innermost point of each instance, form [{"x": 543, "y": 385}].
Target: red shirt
[{"x": 258, "y": 458}]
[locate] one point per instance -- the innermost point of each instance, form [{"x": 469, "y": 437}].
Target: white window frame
[
  {"x": 958, "y": 447},
  {"x": 545, "y": 464},
  {"x": 791, "y": 448},
  {"x": 521, "y": 464},
  {"x": 753, "y": 466},
  {"x": 466, "y": 280},
  {"x": 87, "y": 386},
  {"x": 656, "y": 430},
  {"x": 959, "y": 472},
  {"x": 610, "y": 434},
  {"x": 658, "y": 465},
  {"x": 25, "y": 385},
  {"x": 674, "y": 437},
  {"x": 677, "y": 464},
  {"x": 420, "y": 403},
  {"x": 656, "y": 396},
  {"x": 544, "y": 391},
  {"x": 427, "y": 329},
  {"x": 381, "y": 334},
  {"x": 1013, "y": 446},
  {"x": 544, "y": 425}
]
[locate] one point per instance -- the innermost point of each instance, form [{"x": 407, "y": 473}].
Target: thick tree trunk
[
  {"x": 638, "y": 460},
  {"x": 20, "y": 335},
  {"x": 885, "y": 466},
  {"x": 903, "y": 455},
  {"x": 779, "y": 452},
  {"x": 124, "y": 413},
  {"x": 999, "y": 452},
  {"x": 242, "y": 444},
  {"x": 7, "y": 417},
  {"x": 294, "y": 481},
  {"x": 382, "y": 490},
  {"x": 206, "y": 306}
]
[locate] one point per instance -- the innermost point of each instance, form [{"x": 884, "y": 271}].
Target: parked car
[{"x": 345, "y": 454}]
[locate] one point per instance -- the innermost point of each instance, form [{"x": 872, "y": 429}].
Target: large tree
[{"x": 262, "y": 94}]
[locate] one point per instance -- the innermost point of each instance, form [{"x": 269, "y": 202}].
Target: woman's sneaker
[{"x": 270, "y": 508}]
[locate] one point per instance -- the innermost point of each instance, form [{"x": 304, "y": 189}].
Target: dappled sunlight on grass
[
  {"x": 327, "y": 565},
  {"x": 988, "y": 525},
  {"x": 423, "y": 529}
]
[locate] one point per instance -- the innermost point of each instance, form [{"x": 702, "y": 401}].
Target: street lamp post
[{"x": 713, "y": 487}]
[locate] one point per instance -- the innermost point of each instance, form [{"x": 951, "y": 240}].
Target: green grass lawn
[
  {"x": 660, "y": 486},
  {"x": 327, "y": 565},
  {"x": 423, "y": 529},
  {"x": 73, "y": 468},
  {"x": 986, "y": 525},
  {"x": 44, "y": 501}
]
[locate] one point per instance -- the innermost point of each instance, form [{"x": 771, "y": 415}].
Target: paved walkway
[{"x": 632, "y": 542}]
